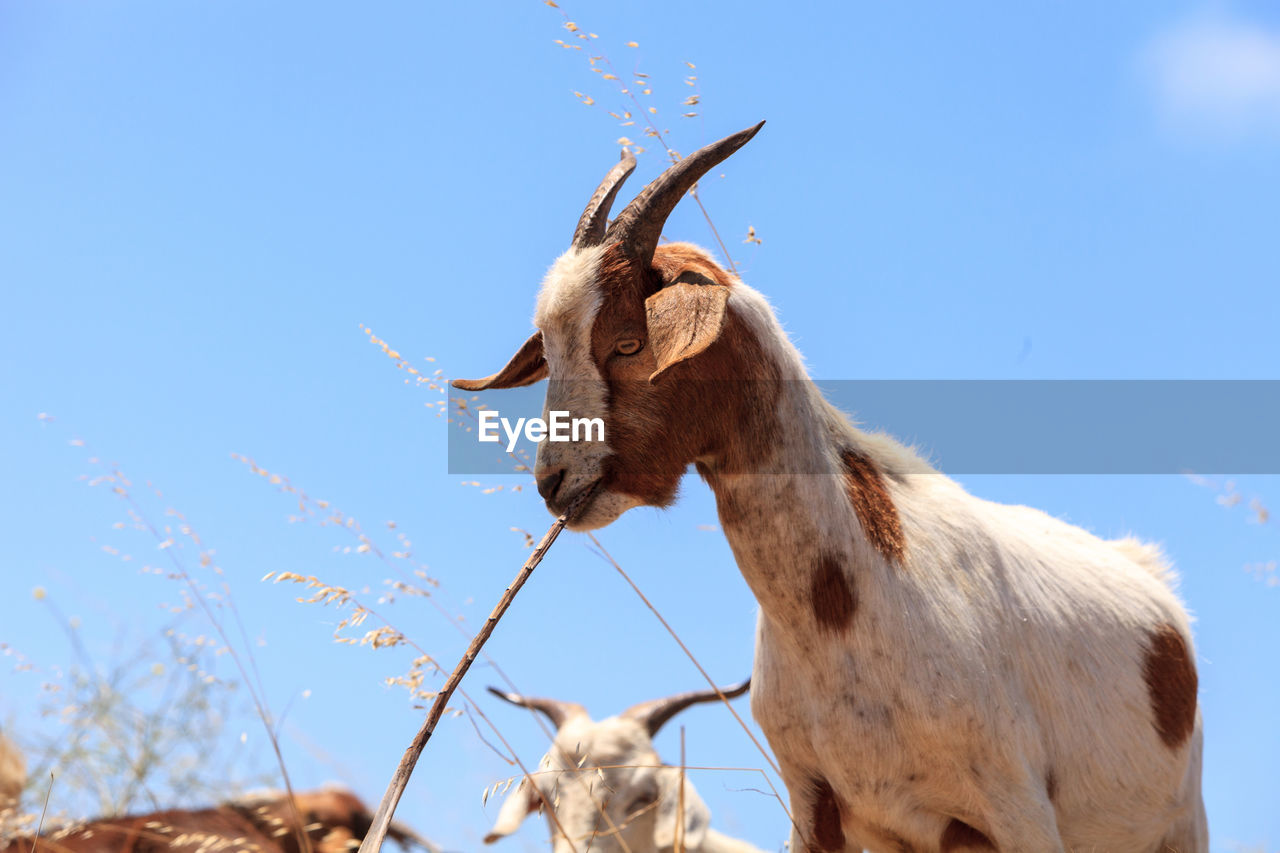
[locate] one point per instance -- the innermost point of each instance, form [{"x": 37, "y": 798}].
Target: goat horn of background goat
[
  {"x": 557, "y": 712},
  {"x": 590, "y": 230},
  {"x": 639, "y": 225},
  {"x": 656, "y": 712}
]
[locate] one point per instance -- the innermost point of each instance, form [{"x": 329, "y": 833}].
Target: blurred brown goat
[{"x": 335, "y": 821}]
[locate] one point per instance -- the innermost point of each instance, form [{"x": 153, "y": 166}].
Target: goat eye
[{"x": 629, "y": 346}]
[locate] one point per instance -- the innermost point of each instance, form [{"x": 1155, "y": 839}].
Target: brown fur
[
  {"x": 730, "y": 512},
  {"x": 832, "y": 595},
  {"x": 332, "y": 818},
  {"x": 827, "y": 832},
  {"x": 213, "y": 830},
  {"x": 1051, "y": 784},
  {"x": 677, "y": 262},
  {"x": 683, "y": 321},
  {"x": 874, "y": 508},
  {"x": 899, "y": 844},
  {"x": 648, "y": 469},
  {"x": 13, "y": 772},
  {"x": 526, "y": 367},
  {"x": 338, "y": 816},
  {"x": 961, "y": 836},
  {"x": 1171, "y": 683},
  {"x": 651, "y": 426}
]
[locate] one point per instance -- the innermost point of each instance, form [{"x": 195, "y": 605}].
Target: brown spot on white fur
[
  {"x": 826, "y": 829},
  {"x": 832, "y": 594},
  {"x": 961, "y": 836},
  {"x": 876, "y": 512},
  {"x": 1171, "y": 683}
]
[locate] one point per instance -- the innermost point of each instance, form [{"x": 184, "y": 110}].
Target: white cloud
[{"x": 1218, "y": 76}]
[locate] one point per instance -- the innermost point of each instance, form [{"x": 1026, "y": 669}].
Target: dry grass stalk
[
  {"x": 601, "y": 64},
  {"x": 329, "y": 515},
  {"x": 609, "y": 558},
  {"x": 604, "y": 554},
  {"x": 257, "y": 691},
  {"x": 43, "y": 811},
  {"x": 680, "y": 813},
  {"x": 386, "y": 808}
]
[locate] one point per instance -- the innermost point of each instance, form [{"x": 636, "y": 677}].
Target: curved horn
[
  {"x": 639, "y": 225},
  {"x": 590, "y": 230},
  {"x": 657, "y": 711},
  {"x": 557, "y": 712}
]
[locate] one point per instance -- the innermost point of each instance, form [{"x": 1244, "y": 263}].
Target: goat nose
[{"x": 548, "y": 485}]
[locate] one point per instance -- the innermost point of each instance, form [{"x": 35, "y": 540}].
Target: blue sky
[{"x": 203, "y": 202}]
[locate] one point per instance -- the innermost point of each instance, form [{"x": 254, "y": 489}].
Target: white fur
[
  {"x": 595, "y": 773},
  {"x": 567, "y": 308}
]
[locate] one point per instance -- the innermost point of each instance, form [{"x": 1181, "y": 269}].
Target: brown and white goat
[
  {"x": 934, "y": 671},
  {"x": 609, "y": 790},
  {"x": 334, "y": 820}
]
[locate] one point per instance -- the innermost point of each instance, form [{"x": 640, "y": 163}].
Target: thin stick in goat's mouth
[{"x": 382, "y": 817}]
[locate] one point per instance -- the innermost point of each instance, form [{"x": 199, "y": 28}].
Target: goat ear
[
  {"x": 526, "y": 367},
  {"x": 697, "y": 817},
  {"x": 683, "y": 320},
  {"x": 520, "y": 803}
]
